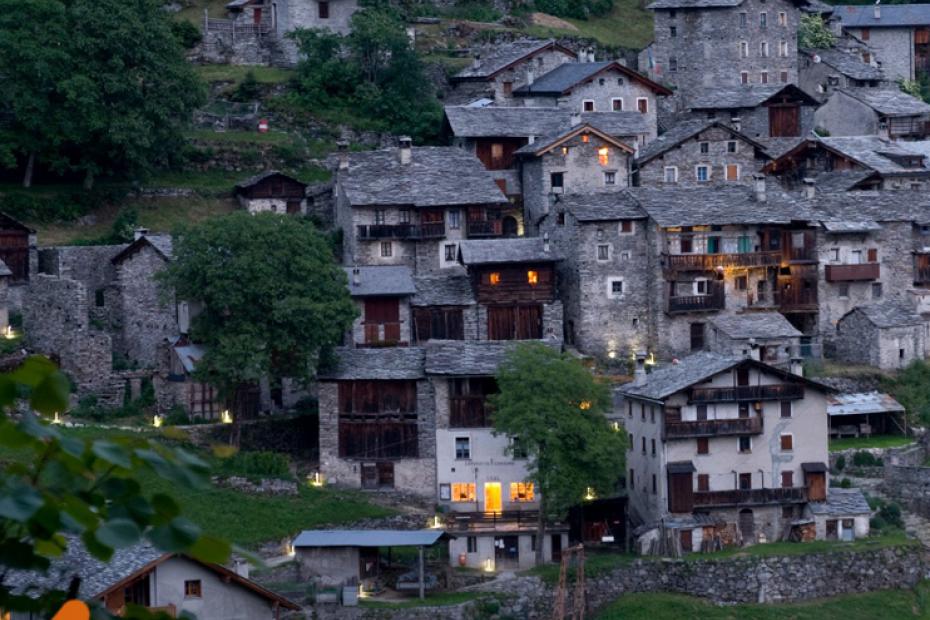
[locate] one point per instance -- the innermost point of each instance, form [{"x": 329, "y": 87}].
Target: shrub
[
  {"x": 474, "y": 11},
  {"x": 840, "y": 462},
  {"x": 580, "y": 9},
  {"x": 187, "y": 34},
  {"x": 290, "y": 155},
  {"x": 177, "y": 416},
  {"x": 890, "y": 513},
  {"x": 845, "y": 483},
  {"x": 258, "y": 464},
  {"x": 249, "y": 89},
  {"x": 866, "y": 459}
]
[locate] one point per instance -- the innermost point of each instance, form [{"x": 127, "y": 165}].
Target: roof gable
[
  {"x": 684, "y": 131},
  {"x": 264, "y": 176},
  {"x": 160, "y": 243},
  {"x": 545, "y": 145},
  {"x": 887, "y": 102},
  {"x": 564, "y": 78},
  {"x": 506, "y": 56},
  {"x": 747, "y": 97}
]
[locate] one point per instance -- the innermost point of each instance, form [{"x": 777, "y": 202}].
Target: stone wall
[
  {"x": 147, "y": 320},
  {"x": 687, "y": 156}
]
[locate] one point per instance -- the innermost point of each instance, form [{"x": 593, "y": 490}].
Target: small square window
[
  {"x": 673, "y": 32},
  {"x": 462, "y": 448},
  {"x": 380, "y": 217},
  {"x": 783, "y": 77},
  {"x": 588, "y": 105},
  {"x": 876, "y": 290},
  {"x": 405, "y": 216},
  {"x": 704, "y": 147},
  {"x": 671, "y": 174},
  {"x": 787, "y": 479},
  {"x": 642, "y": 105},
  {"x": 616, "y": 287},
  {"x": 787, "y": 442},
  {"x": 732, "y": 146},
  {"x": 626, "y": 227},
  {"x": 387, "y": 249},
  {"x": 835, "y": 254},
  {"x": 745, "y": 481},
  {"x": 455, "y": 219},
  {"x": 745, "y": 444},
  {"x": 193, "y": 589},
  {"x": 625, "y": 256},
  {"x": 445, "y": 492},
  {"x": 786, "y": 408},
  {"x": 557, "y": 180},
  {"x": 703, "y": 445},
  {"x": 703, "y": 482},
  {"x": 617, "y": 104},
  {"x": 741, "y": 283},
  {"x": 450, "y": 252},
  {"x": 702, "y": 174},
  {"x": 843, "y": 289},
  {"x": 610, "y": 178},
  {"x": 673, "y": 64}
]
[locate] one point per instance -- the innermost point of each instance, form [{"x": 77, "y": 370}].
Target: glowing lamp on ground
[
  {"x": 651, "y": 360},
  {"x": 157, "y": 421},
  {"x": 315, "y": 479},
  {"x": 489, "y": 565},
  {"x": 584, "y": 405},
  {"x": 436, "y": 523},
  {"x": 612, "y": 354},
  {"x": 615, "y": 426},
  {"x": 8, "y": 333},
  {"x": 291, "y": 551},
  {"x": 56, "y": 419},
  {"x": 589, "y": 494},
  {"x": 226, "y": 417}
]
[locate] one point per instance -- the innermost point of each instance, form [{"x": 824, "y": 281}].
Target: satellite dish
[{"x": 816, "y": 58}]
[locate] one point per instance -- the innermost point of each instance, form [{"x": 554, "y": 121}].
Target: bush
[
  {"x": 890, "y": 513},
  {"x": 579, "y": 9},
  {"x": 290, "y": 155},
  {"x": 845, "y": 483},
  {"x": 473, "y": 11},
  {"x": 840, "y": 462},
  {"x": 177, "y": 416},
  {"x": 187, "y": 34},
  {"x": 249, "y": 89},
  {"x": 258, "y": 464},
  {"x": 866, "y": 459}
]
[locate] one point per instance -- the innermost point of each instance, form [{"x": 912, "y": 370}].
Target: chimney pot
[
  {"x": 138, "y": 233},
  {"x": 406, "y": 149},
  {"x": 582, "y": 55},
  {"x": 639, "y": 374},
  {"x": 343, "y": 148},
  {"x": 759, "y": 184},
  {"x": 878, "y": 10},
  {"x": 530, "y": 76},
  {"x": 356, "y": 276},
  {"x": 810, "y": 190},
  {"x": 476, "y": 61},
  {"x": 546, "y": 243},
  {"x": 796, "y": 366}
]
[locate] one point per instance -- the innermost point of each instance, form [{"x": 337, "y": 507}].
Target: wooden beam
[{"x": 422, "y": 584}]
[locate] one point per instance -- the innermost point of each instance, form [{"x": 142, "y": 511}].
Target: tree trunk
[
  {"x": 541, "y": 532},
  {"x": 30, "y": 166}
]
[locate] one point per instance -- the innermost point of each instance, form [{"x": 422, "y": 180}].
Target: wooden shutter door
[
  {"x": 500, "y": 323},
  {"x": 784, "y": 121},
  {"x": 680, "y": 493},
  {"x": 686, "y": 541},
  {"x": 529, "y": 323},
  {"x": 422, "y": 321}
]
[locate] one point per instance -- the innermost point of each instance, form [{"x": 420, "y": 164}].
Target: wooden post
[
  {"x": 422, "y": 584},
  {"x": 206, "y": 21}
]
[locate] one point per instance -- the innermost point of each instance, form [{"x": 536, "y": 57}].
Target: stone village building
[
  {"x": 781, "y": 111},
  {"x": 824, "y": 71},
  {"x": 898, "y": 34},
  {"x": 886, "y": 335},
  {"x": 272, "y": 191},
  {"x": 887, "y": 113}
]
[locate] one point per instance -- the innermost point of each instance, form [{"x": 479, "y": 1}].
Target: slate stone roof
[
  {"x": 500, "y": 251},
  {"x": 888, "y": 102},
  {"x": 436, "y": 176},
  {"x": 873, "y": 152},
  {"x": 883, "y": 206},
  {"x": 671, "y": 378},
  {"x": 681, "y": 132},
  {"x": 465, "y": 358},
  {"x": 776, "y": 147},
  {"x": 759, "y": 325},
  {"x": 897, "y": 15},
  {"x": 503, "y": 56},
  {"x": 718, "y": 205},
  {"x": 443, "y": 291},
  {"x": 810, "y": 5},
  {"x": 258, "y": 178},
  {"x": 544, "y": 144},
  {"x": 388, "y": 363},
  {"x": 888, "y": 314},
  {"x": 380, "y": 280},
  {"x": 566, "y": 76},
  {"x": 847, "y": 63},
  {"x": 841, "y": 181},
  {"x": 861, "y": 403},
  {"x": 161, "y": 243},
  {"x": 849, "y": 226},
  {"x": 842, "y": 502},
  {"x": 743, "y": 97},
  {"x": 523, "y": 122},
  {"x": 601, "y": 207}
]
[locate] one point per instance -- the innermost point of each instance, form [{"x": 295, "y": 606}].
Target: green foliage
[
  {"x": 579, "y": 9},
  {"x": 813, "y": 32},
  {"x": 63, "y": 485},
  {"x": 187, "y": 34},
  {"x": 919, "y": 88},
  {"x": 373, "y": 72},
  {"x": 866, "y": 459},
  {"x": 840, "y": 463},
  {"x": 274, "y": 296},
  {"x": 887, "y": 516},
  {"x": 249, "y": 89},
  {"x": 94, "y": 87},
  {"x": 473, "y": 11},
  {"x": 845, "y": 483},
  {"x": 257, "y": 464},
  {"x": 911, "y": 388},
  {"x": 555, "y": 408}
]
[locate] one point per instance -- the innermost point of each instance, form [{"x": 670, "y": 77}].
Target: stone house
[
  {"x": 889, "y": 113},
  {"x": 844, "y": 515},
  {"x": 413, "y": 206},
  {"x": 272, "y": 191},
  {"x": 839, "y": 164},
  {"x": 723, "y": 43},
  {"x": 767, "y": 335},
  {"x": 723, "y": 449},
  {"x": 824, "y": 71},
  {"x": 19, "y": 253},
  {"x": 496, "y": 73},
  {"x": 606, "y": 86},
  {"x": 284, "y": 16},
  {"x": 699, "y": 152},
  {"x": 580, "y": 160},
  {"x": 758, "y": 111},
  {"x": 444, "y": 308},
  {"x": 886, "y": 335},
  {"x": 899, "y": 35},
  {"x": 382, "y": 298}
]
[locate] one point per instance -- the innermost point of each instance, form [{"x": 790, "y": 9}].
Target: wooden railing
[
  {"x": 748, "y": 393},
  {"x": 852, "y": 273},
  {"x": 698, "y": 303},
  {"x": 807, "y": 253},
  {"x": 382, "y": 334},
  {"x": 709, "y": 262},
  {"x": 401, "y": 231},
  {"x": 713, "y": 428},
  {"x": 796, "y": 299},
  {"x": 485, "y": 228},
  {"x": 469, "y": 412},
  {"x": 741, "y": 497},
  {"x": 237, "y": 27},
  {"x": 460, "y": 521}
]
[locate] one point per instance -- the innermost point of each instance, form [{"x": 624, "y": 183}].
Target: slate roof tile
[
  {"x": 499, "y": 251},
  {"x": 760, "y": 325},
  {"x": 847, "y": 63},
  {"x": 841, "y": 502},
  {"x": 501, "y": 57},
  {"x": 523, "y": 122},
  {"x": 897, "y": 15},
  {"x": 465, "y": 358},
  {"x": 889, "y": 101},
  {"x": 889, "y": 314},
  {"x": 443, "y": 291},
  {"x": 671, "y": 378},
  {"x": 380, "y": 280},
  {"x": 388, "y": 363}
]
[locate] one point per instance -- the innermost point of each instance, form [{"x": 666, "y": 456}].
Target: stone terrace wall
[{"x": 910, "y": 486}]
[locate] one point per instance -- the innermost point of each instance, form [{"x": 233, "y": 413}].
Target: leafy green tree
[
  {"x": 274, "y": 299},
  {"x": 96, "y": 86},
  {"x": 814, "y": 33},
  {"x": 62, "y": 487},
  {"x": 553, "y": 408}
]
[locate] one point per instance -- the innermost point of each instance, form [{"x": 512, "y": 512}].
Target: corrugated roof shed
[
  {"x": 500, "y": 251},
  {"x": 862, "y": 403},
  {"x": 386, "y": 280},
  {"x": 376, "y": 364},
  {"x": 368, "y": 538}
]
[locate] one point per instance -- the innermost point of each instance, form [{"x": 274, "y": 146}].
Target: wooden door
[
  {"x": 680, "y": 493},
  {"x": 492, "y": 497},
  {"x": 386, "y": 475},
  {"x": 784, "y": 121},
  {"x": 742, "y": 377},
  {"x": 687, "y": 542},
  {"x": 832, "y": 529},
  {"x": 816, "y": 486},
  {"x": 500, "y": 323},
  {"x": 529, "y": 322},
  {"x": 747, "y": 525},
  {"x": 293, "y": 207},
  {"x": 697, "y": 336},
  {"x": 556, "y": 547},
  {"x": 369, "y": 476},
  {"x": 257, "y": 15}
]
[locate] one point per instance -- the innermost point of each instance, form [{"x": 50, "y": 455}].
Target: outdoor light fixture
[
  {"x": 489, "y": 565},
  {"x": 436, "y": 524},
  {"x": 584, "y": 405},
  {"x": 315, "y": 479},
  {"x": 225, "y": 417},
  {"x": 589, "y": 494},
  {"x": 8, "y": 333},
  {"x": 56, "y": 419},
  {"x": 157, "y": 421}
]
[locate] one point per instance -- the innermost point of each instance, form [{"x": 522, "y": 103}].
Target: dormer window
[
  {"x": 585, "y": 138},
  {"x": 494, "y": 278},
  {"x": 532, "y": 277}
]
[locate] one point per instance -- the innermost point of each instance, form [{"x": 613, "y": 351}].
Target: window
[
  {"x": 703, "y": 445},
  {"x": 783, "y": 49},
  {"x": 522, "y": 492},
  {"x": 603, "y": 156},
  {"x": 445, "y": 492},
  {"x": 616, "y": 104},
  {"x": 865, "y": 34},
  {"x": 701, "y": 412},
  {"x": 518, "y": 448},
  {"x": 787, "y": 479},
  {"x": 673, "y": 64},
  {"x": 100, "y": 299},
  {"x": 835, "y": 254},
  {"x": 745, "y": 445},
  {"x": 744, "y": 77},
  {"x": 744, "y": 49},
  {"x": 702, "y": 174},
  {"x": 532, "y": 277},
  {"x": 614, "y": 288},
  {"x": 671, "y": 174},
  {"x": 867, "y": 58},
  {"x": 763, "y": 19},
  {"x": 508, "y": 89},
  {"x": 387, "y": 249},
  {"x": 557, "y": 180},
  {"x": 873, "y": 255},
  {"x": 786, "y": 408},
  {"x": 587, "y": 105},
  {"x": 632, "y": 480},
  {"x": 700, "y": 286},
  {"x": 632, "y": 440},
  {"x": 462, "y": 448},
  {"x": 463, "y": 492},
  {"x": 843, "y": 289},
  {"x": 494, "y": 278},
  {"x": 322, "y": 10},
  {"x": 560, "y": 218},
  {"x": 783, "y": 77},
  {"x": 471, "y": 543},
  {"x": 643, "y": 438},
  {"x": 745, "y": 481},
  {"x": 603, "y": 252},
  {"x": 405, "y": 216},
  {"x": 455, "y": 219},
  {"x": 642, "y": 104},
  {"x": 673, "y": 32},
  {"x": 764, "y": 49},
  {"x": 192, "y": 589},
  {"x": 743, "y": 20},
  {"x": 704, "y": 147},
  {"x": 732, "y": 171},
  {"x": 672, "y": 14},
  {"x": 787, "y": 442},
  {"x": 379, "y": 216},
  {"x": 743, "y": 408},
  {"x": 732, "y": 146},
  {"x": 703, "y": 482},
  {"x": 610, "y": 178},
  {"x": 764, "y": 77},
  {"x": 741, "y": 283},
  {"x": 449, "y": 250},
  {"x": 782, "y": 19},
  {"x": 655, "y": 484},
  {"x": 629, "y": 410},
  {"x": 653, "y": 447},
  {"x": 876, "y": 290}
]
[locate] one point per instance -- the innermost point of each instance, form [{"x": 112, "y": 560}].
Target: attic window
[
  {"x": 532, "y": 277},
  {"x": 585, "y": 138},
  {"x": 494, "y": 278},
  {"x": 564, "y": 151},
  {"x": 587, "y": 106},
  {"x": 603, "y": 156}
]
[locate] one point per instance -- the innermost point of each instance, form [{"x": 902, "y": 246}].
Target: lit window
[
  {"x": 585, "y": 138},
  {"x": 192, "y": 589},
  {"x": 463, "y": 491},
  {"x": 497, "y": 151},
  {"x": 495, "y": 278},
  {"x": 603, "y": 156},
  {"x": 532, "y": 277},
  {"x": 522, "y": 492},
  {"x": 564, "y": 151}
]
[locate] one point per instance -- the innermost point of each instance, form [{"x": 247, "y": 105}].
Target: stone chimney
[
  {"x": 241, "y": 568},
  {"x": 582, "y": 55},
  {"x": 546, "y": 246},
  {"x": 590, "y": 55},
  {"x": 476, "y": 61},
  {"x": 530, "y": 76},
  {"x": 576, "y": 119},
  {"x": 138, "y": 233},
  {"x": 639, "y": 373},
  {"x": 737, "y": 123},
  {"x": 356, "y": 276},
  {"x": 796, "y": 366},
  {"x": 405, "y": 152},
  {"x": 758, "y": 182},
  {"x": 343, "y": 150},
  {"x": 754, "y": 351},
  {"x": 878, "y": 9},
  {"x": 810, "y": 190}
]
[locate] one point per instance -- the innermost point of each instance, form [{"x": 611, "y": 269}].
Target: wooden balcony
[
  {"x": 747, "y": 393},
  {"x": 713, "y": 428},
  {"x": 709, "y": 262},
  {"x": 369, "y": 232},
  {"x": 853, "y": 273},
  {"x": 469, "y": 412},
  {"x": 382, "y": 334},
  {"x": 485, "y": 228},
  {"x": 489, "y": 521},
  {"x": 750, "y": 497},
  {"x": 698, "y": 303},
  {"x": 797, "y": 300}
]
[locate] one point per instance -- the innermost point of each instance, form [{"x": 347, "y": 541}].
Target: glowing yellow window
[
  {"x": 532, "y": 277},
  {"x": 585, "y": 138},
  {"x": 522, "y": 492},
  {"x": 495, "y": 278},
  {"x": 463, "y": 491},
  {"x": 603, "y": 156}
]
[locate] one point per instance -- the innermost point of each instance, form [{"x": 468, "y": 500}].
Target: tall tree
[
  {"x": 553, "y": 408},
  {"x": 274, "y": 299}
]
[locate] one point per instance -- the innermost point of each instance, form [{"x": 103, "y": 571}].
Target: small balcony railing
[
  {"x": 806, "y": 253},
  {"x": 382, "y": 334},
  {"x": 796, "y": 299},
  {"x": 401, "y": 231},
  {"x": 485, "y": 228},
  {"x": 709, "y": 262},
  {"x": 713, "y": 428},
  {"x": 749, "y": 497},
  {"x": 852, "y": 273},
  {"x": 508, "y": 519},
  {"x": 715, "y": 300},
  {"x": 747, "y": 393}
]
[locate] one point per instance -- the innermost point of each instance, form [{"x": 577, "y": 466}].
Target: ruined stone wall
[
  {"x": 147, "y": 321},
  {"x": 687, "y": 156}
]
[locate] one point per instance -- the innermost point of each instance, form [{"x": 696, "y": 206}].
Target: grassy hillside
[{"x": 628, "y": 25}]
